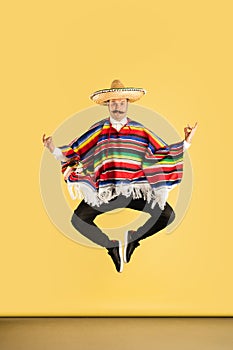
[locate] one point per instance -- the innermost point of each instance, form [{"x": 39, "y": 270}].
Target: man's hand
[
  {"x": 189, "y": 132},
  {"x": 48, "y": 142}
]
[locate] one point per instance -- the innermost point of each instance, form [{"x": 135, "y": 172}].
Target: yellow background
[{"x": 54, "y": 55}]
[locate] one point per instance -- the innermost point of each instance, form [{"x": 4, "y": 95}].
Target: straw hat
[{"x": 117, "y": 90}]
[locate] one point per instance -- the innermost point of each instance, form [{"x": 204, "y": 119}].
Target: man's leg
[
  {"x": 159, "y": 219},
  {"x": 83, "y": 221}
]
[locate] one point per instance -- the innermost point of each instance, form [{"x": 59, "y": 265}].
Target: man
[{"x": 119, "y": 163}]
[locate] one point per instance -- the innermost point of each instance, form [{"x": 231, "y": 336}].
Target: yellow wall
[{"x": 54, "y": 55}]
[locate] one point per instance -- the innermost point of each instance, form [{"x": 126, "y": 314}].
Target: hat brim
[{"x": 132, "y": 94}]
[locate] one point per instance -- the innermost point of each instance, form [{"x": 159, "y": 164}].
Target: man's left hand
[{"x": 189, "y": 132}]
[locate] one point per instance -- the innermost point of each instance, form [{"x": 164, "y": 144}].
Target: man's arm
[
  {"x": 189, "y": 132},
  {"x": 48, "y": 142},
  {"x": 186, "y": 144},
  {"x": 63, "y": 153},
  {"x": 59, "y": 155}
]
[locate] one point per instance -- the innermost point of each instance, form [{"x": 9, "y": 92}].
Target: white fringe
[{"x": 104, "y": 195}]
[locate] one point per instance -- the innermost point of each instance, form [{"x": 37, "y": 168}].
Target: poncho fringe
[{"x": 104, "y": 195}]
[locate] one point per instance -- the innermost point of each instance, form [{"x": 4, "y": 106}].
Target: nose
[{"x": 117, "y": 105}]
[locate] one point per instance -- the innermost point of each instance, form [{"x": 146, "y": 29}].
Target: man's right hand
[{"x": 48, "y": 142}]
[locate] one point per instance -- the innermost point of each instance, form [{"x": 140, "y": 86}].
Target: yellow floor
[{"x": 116, "y": 333}]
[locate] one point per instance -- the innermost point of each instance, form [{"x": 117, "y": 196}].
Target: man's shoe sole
[
  {"x": 120, "y": 252},
  {"x": 125, "y": 246}
]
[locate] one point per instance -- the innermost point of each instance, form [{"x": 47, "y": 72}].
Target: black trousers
[{"x": 84, "y": 216}]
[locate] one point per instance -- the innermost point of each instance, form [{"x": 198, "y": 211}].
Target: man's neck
[{"x": 123, "y": 120}]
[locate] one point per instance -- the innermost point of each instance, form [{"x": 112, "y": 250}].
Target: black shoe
[
  {"x": 116, "y": 255},
  {"x": 130, "y": 244}
]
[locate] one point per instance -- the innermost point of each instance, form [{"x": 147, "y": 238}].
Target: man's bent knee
[
  {"x": 170, "y": 215},
  {"x": 76, "y": 221}
]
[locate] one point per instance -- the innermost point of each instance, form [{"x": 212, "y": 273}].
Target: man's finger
[
  {"x": 194, "y": 125},
  {"x": 194, "y": 128}
]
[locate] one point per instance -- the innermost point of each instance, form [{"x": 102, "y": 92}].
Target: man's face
[{"x": 118, "y": 108}]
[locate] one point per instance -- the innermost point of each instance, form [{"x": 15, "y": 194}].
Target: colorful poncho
[{"x": 133, "y": 161}]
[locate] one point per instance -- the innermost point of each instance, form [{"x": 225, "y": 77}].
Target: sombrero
[{"x": 117, "y": 90}]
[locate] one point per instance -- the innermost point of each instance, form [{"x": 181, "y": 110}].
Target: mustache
[{"x": 116, "y": 111}]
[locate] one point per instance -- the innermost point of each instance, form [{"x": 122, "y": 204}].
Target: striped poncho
[{"x": 133, "y": 161}]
